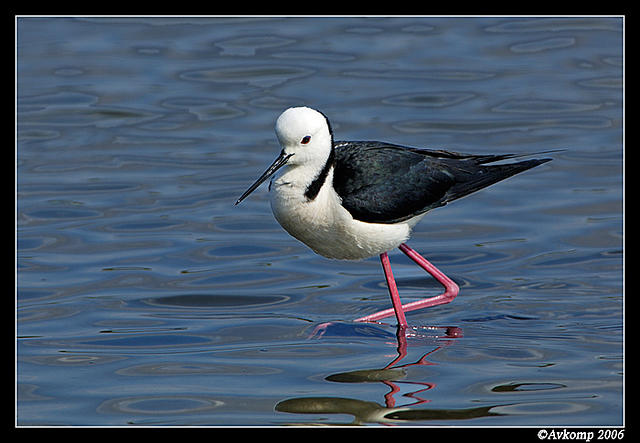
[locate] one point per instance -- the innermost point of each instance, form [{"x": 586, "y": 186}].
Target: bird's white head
[
  {"x": 306, "y": 139},
  {"x": 305, "y": 134}
]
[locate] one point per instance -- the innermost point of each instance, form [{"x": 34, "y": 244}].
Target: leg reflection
[
  {"x": 401, "y": 336},
  {"x": 393, "y": 376}
]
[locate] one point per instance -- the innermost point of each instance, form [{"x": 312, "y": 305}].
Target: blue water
[{"x": 144, "y": 297}]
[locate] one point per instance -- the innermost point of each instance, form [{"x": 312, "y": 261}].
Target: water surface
[{"x": 145, "y": 297}]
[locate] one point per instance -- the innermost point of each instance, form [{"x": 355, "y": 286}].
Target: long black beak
[{"x": 277, "y": 164}]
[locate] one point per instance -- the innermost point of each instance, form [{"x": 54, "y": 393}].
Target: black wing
[{"x": 384, "y": 183}]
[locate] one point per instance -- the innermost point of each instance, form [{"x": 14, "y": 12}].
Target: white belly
[{"x": 329, "y": 229}]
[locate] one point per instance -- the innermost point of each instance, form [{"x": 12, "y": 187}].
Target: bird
[{"x": 351, "y": 200}]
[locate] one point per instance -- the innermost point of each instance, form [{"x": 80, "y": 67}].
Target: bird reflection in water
[{"x": 391, "y": 375}]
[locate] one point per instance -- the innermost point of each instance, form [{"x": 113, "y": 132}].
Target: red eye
[{"x": 306, "y": 139}]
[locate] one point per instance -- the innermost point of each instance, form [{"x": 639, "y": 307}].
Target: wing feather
[{"x": 385, "y": 183}]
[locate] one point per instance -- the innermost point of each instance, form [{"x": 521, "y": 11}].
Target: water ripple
[
  {"x": 203, "y": 108},
  {"x": 194, "y": 368},
  {"x": 256, "y": 75},
  {"x": 98, "y": 116},
  {"x": 249, "y": 45},
  {"x": 235, "y": 301},
  {"x": 557, "y": 24},
  {"x": 544, "y": 106},
  {"x": 495, "y": 126},
  {"x": 311, "y": 55},
  {"x": 543, "y": 45},
  {"x": 435, "y": 99},
  {"x": 455, "y": 75},
  {"x": 160, "y": 405}
]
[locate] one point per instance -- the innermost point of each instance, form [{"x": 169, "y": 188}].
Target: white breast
[{"x": 325, "y": 226}]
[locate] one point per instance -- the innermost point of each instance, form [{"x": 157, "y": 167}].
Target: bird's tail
[{"x": 485, "y": 175}]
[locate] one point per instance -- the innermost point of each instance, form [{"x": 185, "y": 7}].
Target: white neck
[{"x": 304, "y": 179}]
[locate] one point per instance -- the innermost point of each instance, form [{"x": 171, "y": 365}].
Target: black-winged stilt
[{"x": 357, "y": 199}]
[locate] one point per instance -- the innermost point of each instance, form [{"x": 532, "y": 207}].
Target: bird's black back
[{"x": 385, "y": 183}]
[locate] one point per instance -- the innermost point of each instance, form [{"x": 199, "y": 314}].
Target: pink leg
[
  {"x": 393, "y": 290},
  {"x": 451, "y": 289}
]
